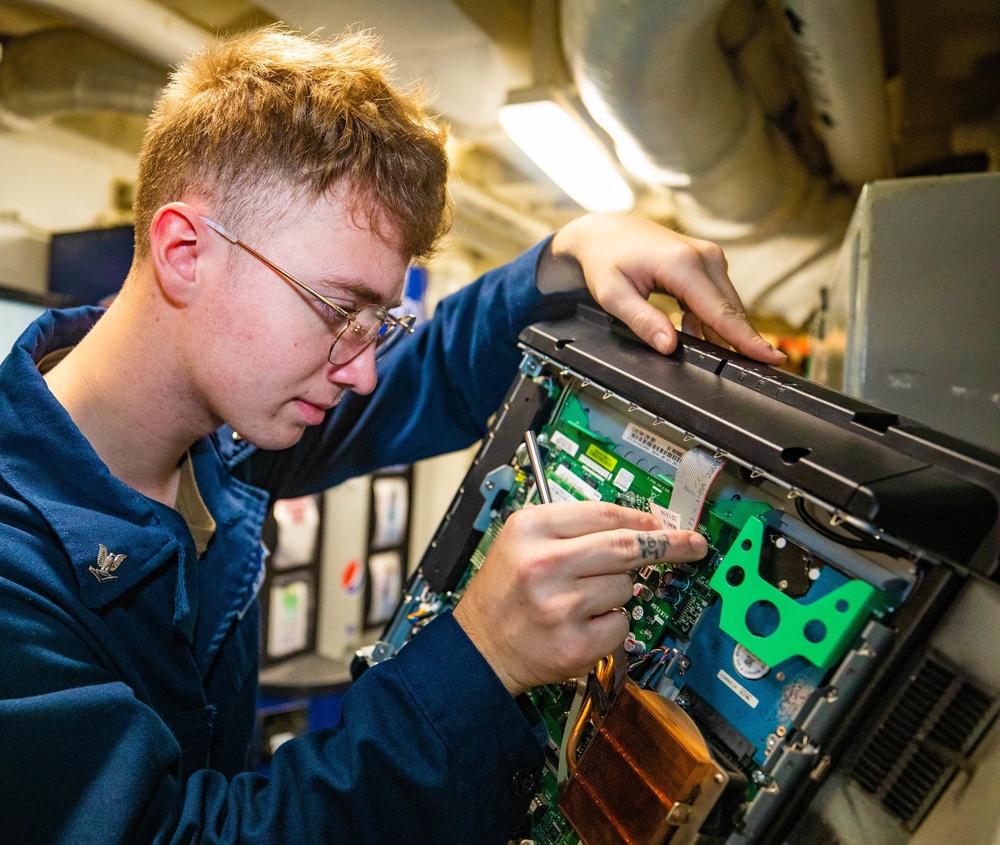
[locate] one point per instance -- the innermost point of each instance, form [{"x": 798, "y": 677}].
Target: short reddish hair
[{"x": 278, "y": 112}]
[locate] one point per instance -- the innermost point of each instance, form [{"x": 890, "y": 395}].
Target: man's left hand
[{"x": 624, "y": 259}]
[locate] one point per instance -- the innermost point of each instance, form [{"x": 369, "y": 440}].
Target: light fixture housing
[{"x": 549, "y": 127}]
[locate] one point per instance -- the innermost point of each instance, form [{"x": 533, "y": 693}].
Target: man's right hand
[{"x": 545, "y": 606}]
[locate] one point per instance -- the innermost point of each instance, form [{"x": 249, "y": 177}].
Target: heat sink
[{"x": 646, "y": 778}]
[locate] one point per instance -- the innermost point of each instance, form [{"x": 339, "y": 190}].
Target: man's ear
[{"x": 177, "y": 240}]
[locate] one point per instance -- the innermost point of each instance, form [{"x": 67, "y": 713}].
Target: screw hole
[
  {"x": 762, "y": 618},
  {"x": 794, "y": 454},
  {"x": 814, "y": 631},
  {"x": 735, "y": 576}
]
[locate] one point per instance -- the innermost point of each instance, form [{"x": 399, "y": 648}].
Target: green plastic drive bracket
[{"x": 819, "y": 631}]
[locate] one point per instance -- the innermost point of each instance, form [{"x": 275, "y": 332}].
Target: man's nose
[{"x": 359, "y": 373}]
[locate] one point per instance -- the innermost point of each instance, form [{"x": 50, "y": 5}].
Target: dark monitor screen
[{"x": 91, "y": 264}]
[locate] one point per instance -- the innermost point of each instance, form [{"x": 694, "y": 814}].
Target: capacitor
[
  {"x": 687, "y": 568},
  {"x": 643, "y": 592},
  {"x": 634, "y": 646},
  {"x": 672, "y": 579},
  {"x": 669, "y": 595},
  {"x": 537, "y": 809}
]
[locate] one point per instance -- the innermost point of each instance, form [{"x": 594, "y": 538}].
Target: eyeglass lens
[{"x": 369, "y": 325}]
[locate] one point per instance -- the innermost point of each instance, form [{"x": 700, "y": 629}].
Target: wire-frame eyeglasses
[{"x": 360, "y": 328}]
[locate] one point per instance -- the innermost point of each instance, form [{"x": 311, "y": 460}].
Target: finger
[
  {"x": 692, "y": 325},
  {"x": 601, "y": 593},
  {"x": 622, "y": 550},
  {"x": 568, "y": 520},
  {"x": 717, "y": 269},
  {"x": 713, "y": 336},
  {"x": 604, "y": 633},
  {"x": 645, "y": 320},
  {"x": 669, "y": 547},
  {"x": 717, "y": 304}
]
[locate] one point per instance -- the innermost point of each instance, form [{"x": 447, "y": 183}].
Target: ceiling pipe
[
  {"x": 839, "y": 48},
  {"x": 53, "y": 71},
  {"x": 654, "y": 76},
  {"x": 146, "y": 27}
]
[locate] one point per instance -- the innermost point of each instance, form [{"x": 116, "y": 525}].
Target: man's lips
[{"x": 313, "y": 414}]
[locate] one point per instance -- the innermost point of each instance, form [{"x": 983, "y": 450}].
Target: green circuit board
[
  {"x": 669, "y": 603},
  {"x": 577, "y": 462}
]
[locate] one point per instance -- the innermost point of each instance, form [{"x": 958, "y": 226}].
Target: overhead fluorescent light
[{"x": 547, "y": 127}]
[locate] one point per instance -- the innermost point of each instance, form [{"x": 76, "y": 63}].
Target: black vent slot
[
  {"x": 932, "y": 724},
  {"x": 875, "y": 420}
]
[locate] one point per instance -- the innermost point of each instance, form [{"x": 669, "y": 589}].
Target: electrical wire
[
  {"x": 639, "y": 661},
  {"x": 858, "y": 541}
]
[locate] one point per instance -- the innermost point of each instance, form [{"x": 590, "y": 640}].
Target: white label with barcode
[
  {"x": 577, "y": 483},
  {"x": 595, "y": 468},
  {"x": 563, "y": 442},
  {"x": 653, "y": 444},
  {"x": 623, "y": 480},
  {"x": 738, "y": 688}
]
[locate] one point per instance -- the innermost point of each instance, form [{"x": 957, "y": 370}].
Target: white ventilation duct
[
  {"x": 654, "y": 76},
  {"x": 143, "y": 26},
  {"x": 840, "y": 52},
  {"x": 61, "y": 70},
  {"x": 77, "y": 81},
  {"x": 101, "y": 80}
]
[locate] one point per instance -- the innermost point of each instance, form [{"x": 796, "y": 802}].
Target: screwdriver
[{"x": 541, "y": 482}]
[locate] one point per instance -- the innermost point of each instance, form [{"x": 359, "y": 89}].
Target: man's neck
[{"x": 129, "y": 401}]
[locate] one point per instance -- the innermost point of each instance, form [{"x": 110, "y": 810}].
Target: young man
[{"x": 284, "y": 187}]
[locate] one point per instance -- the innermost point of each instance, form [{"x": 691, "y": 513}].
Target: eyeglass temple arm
[
  {"x": 229, "y": 236},
  {"x": 225, "y": 233},
  {"x": 405, "y": 322}
]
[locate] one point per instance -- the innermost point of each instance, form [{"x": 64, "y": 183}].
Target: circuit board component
[
  {"x": 646, "y": 777},
  {"x": 819, "y": 631},
  {"x": 692, "y": 745}
]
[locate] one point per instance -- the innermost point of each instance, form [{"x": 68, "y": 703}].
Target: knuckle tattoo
[{"x": 653, "y": 546}]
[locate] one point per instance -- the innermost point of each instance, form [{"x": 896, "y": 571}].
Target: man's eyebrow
[{"x": 332, "y": 285}]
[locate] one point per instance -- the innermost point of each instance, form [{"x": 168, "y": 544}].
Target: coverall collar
[{"x": 86, "y": 506}]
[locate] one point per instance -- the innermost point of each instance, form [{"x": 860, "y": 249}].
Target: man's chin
[{"x": 274, "y": 441}]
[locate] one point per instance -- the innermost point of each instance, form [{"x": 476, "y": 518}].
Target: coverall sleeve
[
  {"x": 429, "y": 750},
  {"x": 436, "y": 388}
]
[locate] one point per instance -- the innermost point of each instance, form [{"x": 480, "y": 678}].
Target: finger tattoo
[{"x": 653, "y": 546}]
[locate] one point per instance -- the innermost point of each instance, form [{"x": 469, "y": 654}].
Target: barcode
[{"x": 656, "y": 446}]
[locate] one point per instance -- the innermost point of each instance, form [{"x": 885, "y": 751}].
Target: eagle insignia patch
[{"x": 107, "y": 563}]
